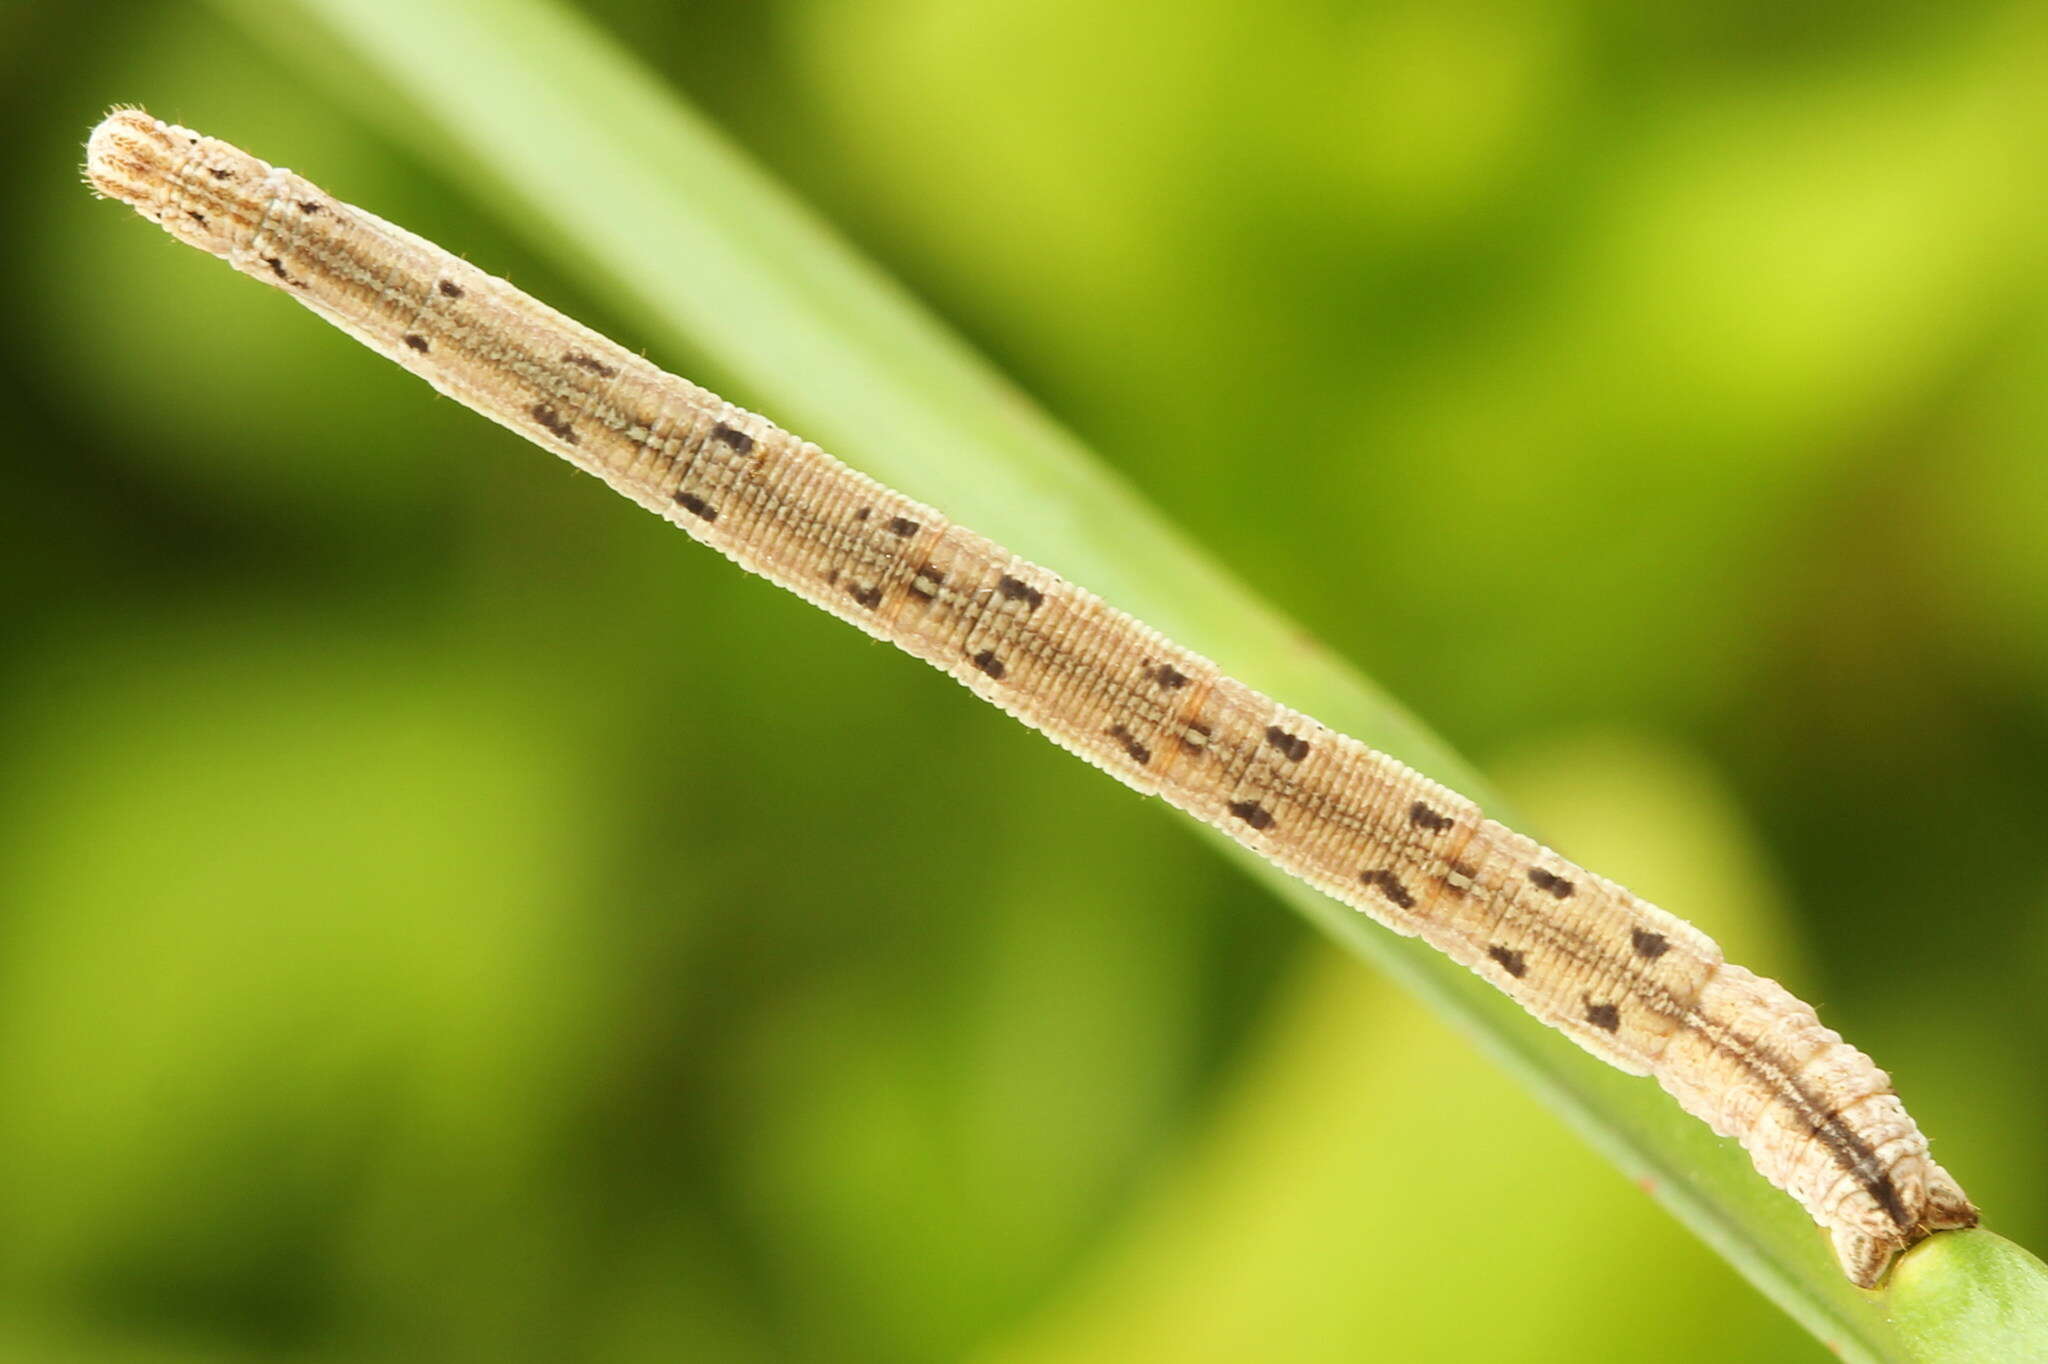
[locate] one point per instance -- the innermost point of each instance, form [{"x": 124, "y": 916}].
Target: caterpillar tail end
[
  {"x": 1948, "y": 1207},
  {"x": 1866, "y": 1258}
]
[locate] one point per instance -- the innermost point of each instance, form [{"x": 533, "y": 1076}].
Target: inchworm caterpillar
[{"x": 1635, "y": 986}]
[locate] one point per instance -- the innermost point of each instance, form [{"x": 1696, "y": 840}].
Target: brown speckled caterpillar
[{"x": 1635, "y": 986}]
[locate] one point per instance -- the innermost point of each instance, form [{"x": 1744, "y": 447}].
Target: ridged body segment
[{"x": 1634, "y": 985}]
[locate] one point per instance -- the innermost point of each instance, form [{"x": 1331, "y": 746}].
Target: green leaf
[
  {"x": 1973, "y": 1295},
  {"x": 564, "y": 137}
]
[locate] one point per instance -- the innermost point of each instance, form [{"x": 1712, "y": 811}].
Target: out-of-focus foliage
[{"x": 444, "y": 915}]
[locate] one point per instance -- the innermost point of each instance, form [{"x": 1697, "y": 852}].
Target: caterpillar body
[{"x": 1632, "y": 984}]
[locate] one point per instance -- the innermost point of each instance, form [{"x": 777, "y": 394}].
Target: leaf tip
[{"x": 1970, "y": 1295}]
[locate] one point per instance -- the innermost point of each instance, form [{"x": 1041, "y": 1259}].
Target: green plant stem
[{"x": 568, "y": 139}]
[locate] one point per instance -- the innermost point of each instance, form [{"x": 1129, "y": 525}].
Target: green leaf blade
[{"x": 577, "y": 145}]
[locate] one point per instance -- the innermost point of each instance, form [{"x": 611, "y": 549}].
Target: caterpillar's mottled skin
[{"x": 1632, "y": 984}]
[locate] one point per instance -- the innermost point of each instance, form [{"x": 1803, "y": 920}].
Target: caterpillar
[{"x": 1637, "y": 987}]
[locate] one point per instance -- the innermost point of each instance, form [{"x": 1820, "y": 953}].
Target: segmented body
[{"x": 1632, "y": 984}]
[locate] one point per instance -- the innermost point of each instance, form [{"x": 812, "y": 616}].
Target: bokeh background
[{"x": 444, "y": 915}]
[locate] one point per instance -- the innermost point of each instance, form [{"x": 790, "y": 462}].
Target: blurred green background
[{"x": 404, "y": 948}]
